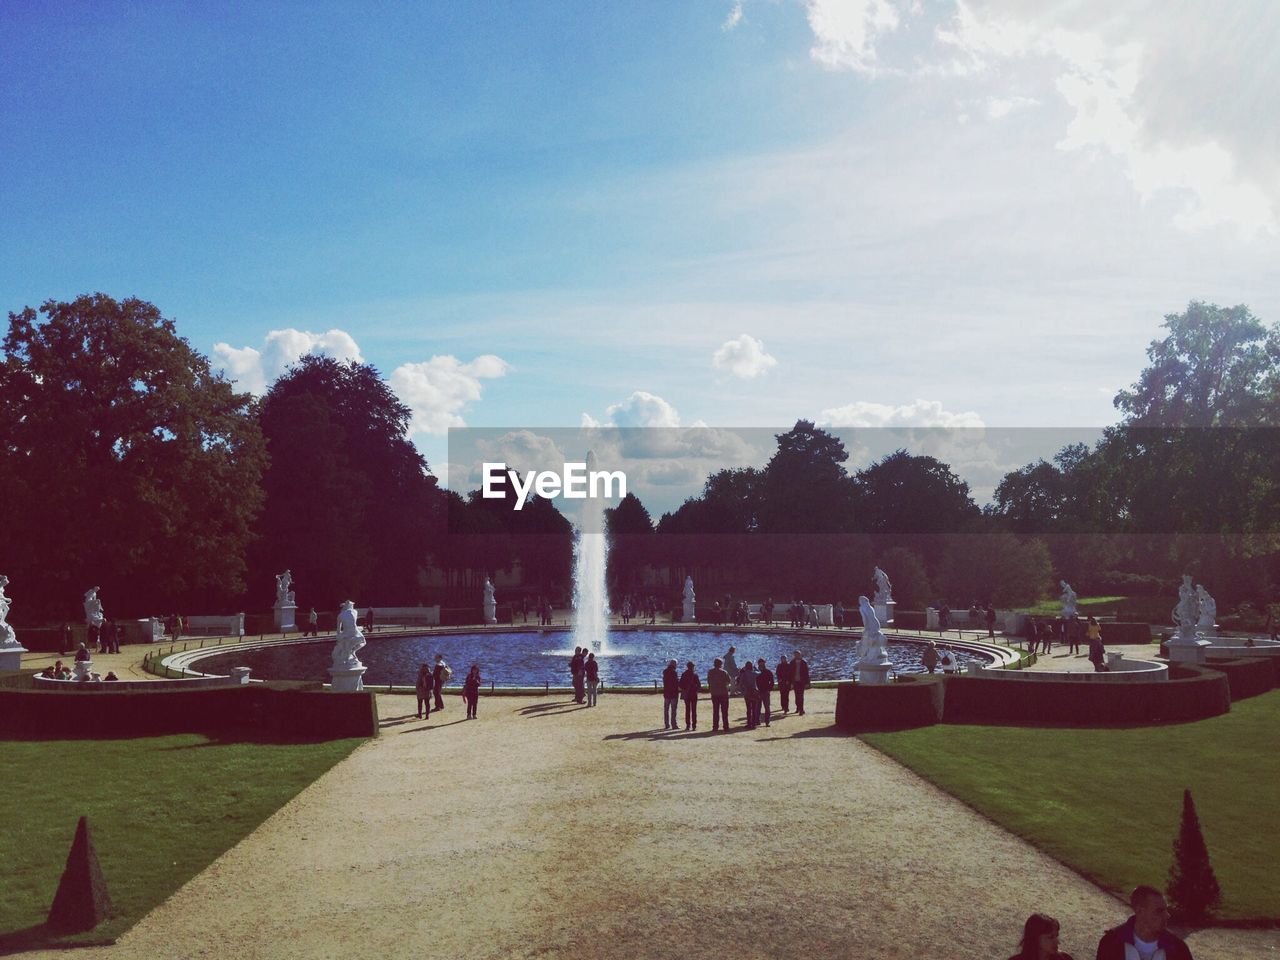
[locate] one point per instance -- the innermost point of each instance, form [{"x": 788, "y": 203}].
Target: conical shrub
[{"x": 1193, "y": 889}]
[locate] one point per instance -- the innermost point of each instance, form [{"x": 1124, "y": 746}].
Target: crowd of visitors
[
  {"x": 753, "y": 681},
  {"x": 1144, "y": 936}
]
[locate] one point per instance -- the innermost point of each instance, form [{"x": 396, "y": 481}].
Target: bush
[{"x": 1193, "y": 889}]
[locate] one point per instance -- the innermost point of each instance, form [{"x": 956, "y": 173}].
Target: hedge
[
  {"x": 1248, "y": 676},
  {"x": 913, "y": 701},
  {"x": 1129, "y": 633},
  {"x": 268, "y": 711}
]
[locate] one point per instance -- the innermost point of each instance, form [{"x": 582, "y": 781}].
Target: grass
[
  {"x": 1098, "y": 606},
  {"x": 160, "y": 810},
  {"x": 1107, "y": 802}
]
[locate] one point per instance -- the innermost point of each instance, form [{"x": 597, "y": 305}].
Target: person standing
[
  {"x": 423, "y": 687},
  {"x": 930, "y": 656},
  {"x": 783, "y": 678},
  {"x": 576, "y": 669},
  {"x": 718, "y": 684},
  {"x": 1097, "y": 654},
  {"x": 799, "y": 680},
  {"x": 471, "y": 690},
  {"x": 442, "y": 675},
  {"x": 690, "y": 687},
  {"x": 764, "y": 687},
  {"x": 670, "y": 696},
  {"x": 313, "y": 622},
  {"x": 591, "y": 669},
  {"x": 1144, "y": 935},
  {"x": 990, "y": 615},
  {"x": 750, "y": 696},
  {"x": 731, "y": 667}
]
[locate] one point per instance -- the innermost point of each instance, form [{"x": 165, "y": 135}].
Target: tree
[
  {"x": 1193, "y": 888},
  {"x": 996, "y": 567},
  {"x": 630, "y": 530},
  {"x": 911, "y": 587},
  {"x": 906, "y": 494},
  {"x": 351, "y": 508},
  {"x": 804, "y": 486},
  {"x": 125, "y": 462}
]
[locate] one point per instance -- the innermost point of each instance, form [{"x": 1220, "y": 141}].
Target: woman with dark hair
[
  {"x": 1040, "y": 939},
  {"x": 424, "y": 686},
  {"x": 471, "y": 690}
]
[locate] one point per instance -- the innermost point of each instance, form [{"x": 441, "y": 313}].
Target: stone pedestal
[
  {"x": 884, "y": 612},
  {"x": 1187, "y": 647},
  {"x": 874, "y": 673},
  {"x": 347, "y": 679},
  {"x": 239, "y": 675},
  {"x": 81, "y": 669},
  {"x": 286, "y": 617},
  {"x": 11, "y": 657},
  {"x": 490, "y": 611},
  {"x": 688, "y": 614},
  {"x": 1208, "y": 631}
]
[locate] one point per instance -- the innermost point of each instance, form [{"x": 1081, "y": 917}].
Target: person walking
[
  {"x": 670, "y": 696},
  {"x": 1040, "y": 939},
  {"x": 1144, "y": 935},
  {"x": 718, "y": 684},
  {"x": 576, "y": 669},
  {"x": 471, "y": 691},
  {"x": 750, "y": 695},
  {"x": 799, "y": 680},
  {"x": 782, "y": 675},
  {"x": 690, "y": 687},
  {"x": 441, "y": 675},
  {"x": 423, "y": 687},
  {"x": 591, "y": 670},
  {"x": 764, "y": 687}
]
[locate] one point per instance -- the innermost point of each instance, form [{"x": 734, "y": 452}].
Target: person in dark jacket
[
  {"x": 577, "y": 667},
  {"x": 1143, "y": 935},
  {"x": 718, "y": 684},
  {"x": 1040, "y": 940},
  {"x": 424, "y": 687},
  {"x": 440, "y": 675},
  {"x": 799, "y": 680},
  {"x": 782, "y": 674},
  {"x": 471, "y": 690},
  {"x": 670, "y": 696},
  {"x": 690, "y": 687},
  {"x": 764, "y": 687},
  {"x": 591, "y": 670}
]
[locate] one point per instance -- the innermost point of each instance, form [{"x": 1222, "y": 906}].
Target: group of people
[
  {"x": 430, "y": 683},
  {"x": 637, "y": 607},
  {"x": 1144, "y": 936},
  {"x": 541, "y": 606},
  {"x": 986, "y": 615},
  {"x": 754, "y": 682},
  {"x": 61, "y": 671},
  {"x": 1071, "y": 631},
  {"x": 933, "y": 659},
  {"x": 585, "y": 670}
]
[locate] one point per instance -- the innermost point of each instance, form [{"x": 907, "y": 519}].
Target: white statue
[
  {"x": 1208, "y": 609},
  {"x": 284, "y": 595},
  {"x": 350, "y": 638},
  {"x": 488, "y": 592},
  {"x": 7, "y": 637},
  {"x": 93, "y": 614},
  {"x": 873, "y": 647},
  {"x": 884, "y": 589},
  {"x": 688, "y": 589},
  {"x": 490, "y": 602},
  {"x": 1068, "y": 600},
  {"x": 1187, "y": 612}
]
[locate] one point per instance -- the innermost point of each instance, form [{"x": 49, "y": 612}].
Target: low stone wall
[
  {"x": 1119, "y": 670},
  {"x": 222, "y": 626},
  {"x": 407, "y": 616}
]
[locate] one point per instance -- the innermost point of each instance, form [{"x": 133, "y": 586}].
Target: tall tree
[
  {"x": 906, "y": 494},
  {"x": 805, "y": 488},
  {"x": 125, "y": 462}
]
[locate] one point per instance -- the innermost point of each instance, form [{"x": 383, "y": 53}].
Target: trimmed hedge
[
  {"x": 910, "y": 619},
  {"x": 1248, "y": 676},
  {"x": 1190, "y": 693},
  {"x": 913, "y": 701},
  {"x": 1128, "y": 633},
  {"x": 269, "y": 711}
]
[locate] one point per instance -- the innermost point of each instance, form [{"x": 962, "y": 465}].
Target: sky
[{"x": 861, "y": 212}]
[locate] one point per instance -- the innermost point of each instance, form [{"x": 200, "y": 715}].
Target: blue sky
[{"x": 865, "y": 212}]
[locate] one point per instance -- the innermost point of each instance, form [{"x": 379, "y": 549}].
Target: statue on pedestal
[
  {"x": 93, "y": 614},
  {"x": 1208, "y": 620},
  {"x": 490, "y": 602},
  {"x": 1068, "y": 600},
  {"x": 284, "y": 593},
  {"x": 689, "y": 612},
  {"x": 1186, "y": 614},
  {"x": 350, "y": 638},
  {"x": 884, "y": 589},
  {"x": 873, "y": 648},
  {"x": 7, "y": 637}
]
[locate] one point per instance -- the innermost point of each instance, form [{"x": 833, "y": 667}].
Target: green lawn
[
  {"x": 160, "y": 809},
  {"x": 1108, "y": 802},
  {"x": 1098, "y": 606}
]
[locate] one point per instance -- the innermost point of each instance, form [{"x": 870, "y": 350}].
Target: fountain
[{"x": 590, "y": 561}]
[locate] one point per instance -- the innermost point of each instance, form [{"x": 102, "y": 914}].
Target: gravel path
[{"x": 545, "y": 829}]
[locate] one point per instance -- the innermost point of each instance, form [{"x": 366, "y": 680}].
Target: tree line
[{"x": 127, "y": 462}]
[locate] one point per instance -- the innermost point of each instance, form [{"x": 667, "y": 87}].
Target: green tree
[
  {"x": 125, "y": 462},
  {"x": 1193, "y": 888},
  {"x": 351, "y": 508},
  {"x": 906, "y": 494},
  {"x": 630, "y": 530},
  {"x": 804, "y": 486}
]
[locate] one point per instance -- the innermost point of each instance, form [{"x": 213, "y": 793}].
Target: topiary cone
[
  {"x": 1193, "y": 888},
  {"x": 81, "y": 902}
]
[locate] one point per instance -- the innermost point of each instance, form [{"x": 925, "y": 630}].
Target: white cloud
[
  {"x": 642, "y": 409},
  {"x": 733, "y": 19},
  {"x": 254, "y": 370},
  {"x": 1000, "y": 107},
  {"x": 920, "y": 413},
  {"x": 743, "y": 357},
  {"x": 845, "y": 32},
  {"x": 439, "y": 389}
]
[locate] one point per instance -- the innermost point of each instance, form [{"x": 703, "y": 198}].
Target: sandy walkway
[{"x": 550, "y": 830}]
